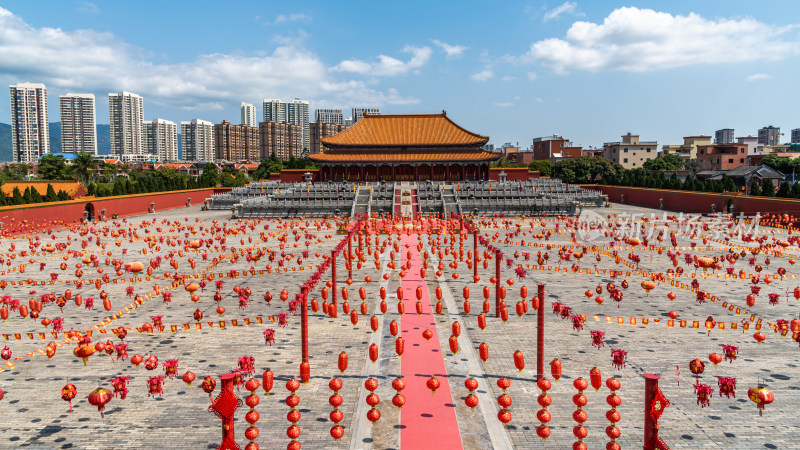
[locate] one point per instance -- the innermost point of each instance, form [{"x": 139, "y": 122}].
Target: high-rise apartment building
[
  {"x": 30, "y": 129},
  {"x": 126, "y": 119},
  {"x": 284, "y": 140},
  {"x": 359, "y": 112},
  {"x": 197, "y": 140},
  {"x": 274, "y": 110},
  {"x": 769, "y": 135},
  {"x": 630, "y": 152},
  {"x": 320, "y": 130},
  {"x": 249, "y": 115},
  {"x": 724, "y": 136},
  {"x": 329, "y": 116},
  {"x": 796, "y": 136},
  {"x": 78, "y": 123},
  {"x": 161, "y": 139},
  {"x": 236, "y": 142}
]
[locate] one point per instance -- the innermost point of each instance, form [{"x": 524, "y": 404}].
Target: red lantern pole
[
  {"x": 497, "y": 284},
  {"x": 350, "y": 255},
  {"x": 304, "y": 327},
  {"x": 540, "y": 334},
  {"x": 650, "y": 427},
  {"x": 333, "y": 280},
  {"x": 224, "y": 407},
  {"x": 475, "y": 254}
]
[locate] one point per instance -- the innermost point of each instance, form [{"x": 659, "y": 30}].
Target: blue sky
[{"x": 589, "y": 71}]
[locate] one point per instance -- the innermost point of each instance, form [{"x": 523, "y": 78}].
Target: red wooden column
[
  {"x": 650, "y": 427},
  {"x": 304, "y": 327},
  {"x": 497, "y": 283},
  {"x": 540, "y": 334}
]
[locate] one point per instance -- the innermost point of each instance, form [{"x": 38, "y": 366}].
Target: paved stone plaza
[{"x": 36, "y": 417}]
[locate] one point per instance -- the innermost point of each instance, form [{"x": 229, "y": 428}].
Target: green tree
[
  {"x": 52, "y": 167},
  {"x": 267, "y": 167},
  {"x": 36, "y": 197},
  {"x": 586, "y": 169},
  {"x": 84, "y": 166},
  {"x": 16, "y": 197},
  {"x": 26, "y": 196},
  {"x": 728, "y": 184},
  {"x": 51, "y": 195},
  {"x": 767, "y": 188},
  {"x": 666, "y": 162},
  {"x": 62, "y": 196},
  {"x": 210, "y": 175},
  {"x": 796, "y": 190},
  {"x": 755, "y": 189},
  {"x": 785, "y": 190},
  {"x": 119, "y": 187},
  {"x": 544, "y": 167}
]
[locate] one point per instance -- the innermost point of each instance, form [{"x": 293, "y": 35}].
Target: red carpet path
[{"x": 428, "y": 421}]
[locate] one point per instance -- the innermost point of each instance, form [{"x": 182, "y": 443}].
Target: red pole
[
  {"x": 350, "y": 255},
  {"x": 225, "y": 406},
  {"x": 475, "y": 254},
  {"x": 497, "y": 284},
  {"x": 540, "y": 334},
  {"x": 650, "y": 426},
  {"x": 333, "y": 280},
  {"x": 304, "y": 328}
]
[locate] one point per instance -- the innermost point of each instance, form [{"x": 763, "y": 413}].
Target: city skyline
[{"x": 554, "y": 68}]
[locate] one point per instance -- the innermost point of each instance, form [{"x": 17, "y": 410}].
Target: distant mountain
[{"x": 103, "y": 140}]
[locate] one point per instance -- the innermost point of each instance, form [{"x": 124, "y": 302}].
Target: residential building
[
  {"x": 795, "y": 136},
  {"x": 294, "y": 112},
  {"x": 78, "y": 123},
  {"x": 348, "y": 121},
  {"x": 723, "y": 136},
  {"x": 274, "y": 110},
  {"x": 521, "y": 157},
  {"x": 249, "y": 115},
  {"x": 320, "y": 130},
  {"x": 359, "y": 112},
  {"x": 236, "y": 142},
  {"x": 197, "y": 140},
  {"x": 630, "y": 152},
  {"x": 161, "y": 140},
  {"x": 751, "y": 142},
  {"x": 769, "y": 135},
  {"x": 283, "y": 139},
  {"x": 329, "y": 116},
  {"x": 689, "y": 148},
  {"x": 721, "y": 156},
  {"x": 126, "y": 119},
  {"x": 30, "y": 129},
  {"x": 555, "y": 148}
]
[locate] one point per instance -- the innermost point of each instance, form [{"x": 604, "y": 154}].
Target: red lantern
[
  {"x": 596, "y": 378},
  {"x": 433, "y": 384},
  {"x": 69, "y": 392},
  {"x": 519, "y": 360},
  {"x": 555, "y": 369},
  {"x": 761, "y": 396},
  {"x": 483, "y": 351},
  {"x": 373, "y": 353},
  {"x": 100, "y": 397}
]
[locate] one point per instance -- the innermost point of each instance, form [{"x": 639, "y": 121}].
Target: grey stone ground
[{"x": 34, "y": 416}]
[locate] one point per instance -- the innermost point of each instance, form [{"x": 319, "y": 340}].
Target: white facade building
[
  {"x": 359, "y": 112},
  {"x": 197, "y": 140},
  {"x": 294, "y": 112},
  {"x": 78, "y": 123},
  {"x": 161, "y": 140},
  {"x": 274, "y": 110},
  {"x": 249, "y": 115},
  {"x": 329, "y": 116},
  {"x": 30, "y": 129},
  {"x": 126, "y": 119}
]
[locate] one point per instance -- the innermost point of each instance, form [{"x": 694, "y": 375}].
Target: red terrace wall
[
  {"x": 513, "y": 173},
  {"x": 296, "y": 175},
  {"x": 698, "y": 202},
  {"x": 71, "y": 211}
]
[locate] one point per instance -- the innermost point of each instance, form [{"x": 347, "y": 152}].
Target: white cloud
[
  {"x": 758, "y": 76},
  {"x": 451, "y": 50},
  {"x": 387, "y": 65},
  {"x": 503, "y": 104},
  {"x": 639, "y": 40},
  {"x": 89, "y": 61},
  {"x": 564, "y": 8},
  {"x": 483, "y": 75},
  {"x": 282, "y": 18},
  {"x": 539, "y": 100},
  {"x": 89, "y": 8},
  {"x": 532, "y": 76},
  {"x": 508, "y": 78}
]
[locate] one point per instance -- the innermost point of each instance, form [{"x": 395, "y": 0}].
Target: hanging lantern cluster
[
  {"x": 336, "y": 415},
  {"x": 120, "y": 385},
  {"x": 579, "y": 415},
  {"x": 618, "y": 358},
  {"x": 727, "y": 386},
  {"x": 293, "y": 432},
  {"x": 504, "y": 415},
  {"x": 597, "y": 338},
  {"x": 731, "y": 352},
  {"x": 471, "y": 400},
  {"x": 704, "y": 393},
  {"x": 613, "y": 415},
  {"x": 155, "y": 385},
  {"x": 208, "y": 386},
  {"x": 68, "y": 392},
  {"x": 373, "y": 415},
  {"x": 252, "y": 400},
  {"x": 398, "y": 384},
  {"x": 543, "y": 415}
]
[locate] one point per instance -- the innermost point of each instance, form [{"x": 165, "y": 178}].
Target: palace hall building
[{"x": 415, "y": 147}]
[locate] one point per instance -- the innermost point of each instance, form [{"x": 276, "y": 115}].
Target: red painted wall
[
  {"x": 23, "y": 218},
  {"x": 513, "y": 173},
  {"x": 698, "y": 202},
  {"x": 296, "y": 175}
]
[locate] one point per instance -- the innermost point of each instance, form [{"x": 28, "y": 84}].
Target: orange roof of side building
[
  {"x": 73, "y": 188},
  {"x": 413, "y": 130}
]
